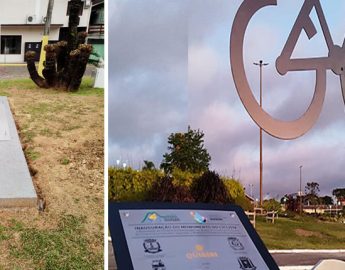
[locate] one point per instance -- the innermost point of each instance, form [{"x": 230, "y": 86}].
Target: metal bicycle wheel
[{"x": 275, "y": 127}]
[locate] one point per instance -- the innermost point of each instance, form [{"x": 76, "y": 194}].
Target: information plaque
[{"x": 160, "y": 236}]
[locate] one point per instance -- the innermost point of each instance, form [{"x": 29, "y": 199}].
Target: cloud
[{"x": 147, "y": 77}]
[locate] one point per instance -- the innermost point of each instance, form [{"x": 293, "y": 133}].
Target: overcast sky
[{"x": 169, "y": 68}]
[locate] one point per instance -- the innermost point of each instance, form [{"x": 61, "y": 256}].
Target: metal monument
[{"x": 335, "y": 61}]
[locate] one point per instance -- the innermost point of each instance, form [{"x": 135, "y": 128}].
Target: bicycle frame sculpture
[{"x": 284, "y": 63}]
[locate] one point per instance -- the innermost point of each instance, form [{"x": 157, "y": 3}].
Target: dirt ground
[{"x": 63, "y": 138}]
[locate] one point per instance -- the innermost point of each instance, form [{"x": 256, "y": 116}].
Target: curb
[
  {"x": 273, "y": 251},
  {"x": 304, "y": 267},
  {"x": 13, "y": 65}
]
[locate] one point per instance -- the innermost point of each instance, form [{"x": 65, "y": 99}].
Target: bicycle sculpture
[{"x": 284, "y": 63}]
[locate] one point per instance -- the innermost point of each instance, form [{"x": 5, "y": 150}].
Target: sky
[{"x": 169, "y": 67}]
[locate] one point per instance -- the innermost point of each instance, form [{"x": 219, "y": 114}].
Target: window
[
  {"x": 11, "y": 44},
  {"x": 97, "y": 15}
]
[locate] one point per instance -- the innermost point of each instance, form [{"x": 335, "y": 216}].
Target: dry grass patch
[{"x": 63, "y": 137}]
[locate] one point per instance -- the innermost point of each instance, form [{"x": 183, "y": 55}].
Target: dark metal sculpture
[
  {"x": 335, "y": 61},
  {"x": 66, "y": 60}
]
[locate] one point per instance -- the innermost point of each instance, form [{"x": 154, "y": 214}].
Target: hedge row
[{"x": 132, "y": 185}]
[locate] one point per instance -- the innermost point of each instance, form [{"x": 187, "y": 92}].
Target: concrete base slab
[
  {"x": 330, "y": 264},
  {"x": 16, "y": 187}
]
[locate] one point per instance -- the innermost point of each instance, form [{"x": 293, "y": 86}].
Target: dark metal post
[{"x": 261, "y": 64}]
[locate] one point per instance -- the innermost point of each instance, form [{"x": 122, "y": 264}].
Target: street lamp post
[
  {"x": 300, "y": 190},
  {"x": 261, "y": 64},
  {"x": 251, "y": 190}
]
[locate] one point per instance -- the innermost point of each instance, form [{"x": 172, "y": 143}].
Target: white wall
[
  {"x": 15, "y": 13},
  {"x": 29, "y": 34}
]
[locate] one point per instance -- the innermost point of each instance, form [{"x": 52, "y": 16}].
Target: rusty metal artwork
[{"x": 335, "y": 61}]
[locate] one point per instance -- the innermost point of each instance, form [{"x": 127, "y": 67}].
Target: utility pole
[
  {"x": 45, "y": 37},
  {"x": 251, "y": 190},
  {"x": 261, "y": 64},
  {"x": 300, "y": 190}
]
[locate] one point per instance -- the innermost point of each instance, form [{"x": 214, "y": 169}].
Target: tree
[
  {"x": 209, "y": 188},
  {"x": 311, "y": 194},
  {"x": 312, "y": 188},
  {"x": 292, "y": 203},
  {"x": 272, "y": 205},
  {"x": 327, "y": 200},
  {"x": 164, "y": 190},
  {"x": 187, "y": 152},
  {"x": 339, "y": 193},
  {"x": 284, "y": 199},
  {"x": 237, "y": 193},
  {"x": 149, "y": 165},
  {"x": 66, "y": 61}
]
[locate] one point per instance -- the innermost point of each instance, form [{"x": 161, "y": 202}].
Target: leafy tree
[
  {"x": 272, "y": 205},
  {"x": 284, "y": 199},
  {"x": 66, "y": 60},
  {"x": 339, "y": 193},
  {"x": 311, "y": 193},
  {"x": 183, "y": 178},
  {"x": 209, "y": 188},
  {"x": 237, "y": 194},
  {"x": 187, "y": 152},
  {"x": 164, "y": 190},
  {"x": 327, "y": 200},
  {"x": 292, "y": 203},
  {"x": 149, "y": 165},
  {"x": 235, "y": 189},
  {"x": 312, "y": 188}
]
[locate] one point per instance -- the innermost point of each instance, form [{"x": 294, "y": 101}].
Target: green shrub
[
  {"x": 130, "y": 185},
  {"x": 245, "y": 203},
  {"x": 272, "y": 205},
  {"x": 164, "y": 190},
  {"x": 237, "y": 194},
  {"x": 209, "y": 188},
  {"x": 180, "y": 186},
  {"x": 183, "y": 178}
]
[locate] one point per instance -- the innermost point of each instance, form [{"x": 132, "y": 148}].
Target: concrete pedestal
[
  {"x": 99, "y": 78},
  {"x": 330, "y": 265},
  {"x": 16, "y": 187}
]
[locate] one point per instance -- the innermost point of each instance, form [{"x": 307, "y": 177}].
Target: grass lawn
[
  {"x": 63, "y": 137},
  {"x": 301, "y": 233}
]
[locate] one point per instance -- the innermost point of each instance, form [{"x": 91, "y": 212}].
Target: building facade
[
  {"x": 96, "y": 29},
  {"x": 22, "y": 25}
]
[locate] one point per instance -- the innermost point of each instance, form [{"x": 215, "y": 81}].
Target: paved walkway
[{"x": 309, "y": 258}]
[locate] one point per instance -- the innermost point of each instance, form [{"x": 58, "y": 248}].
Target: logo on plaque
[
  {"x": 198, "y": 218},
  {"x": 154, "y": 217},
  {"x": 235, "y": 243},
  {"x": 200, "y": 252},
  {"x": 152, "y": 246},
  {"x": 246, "y": 263},
  {"x": 158, "y": 265}
]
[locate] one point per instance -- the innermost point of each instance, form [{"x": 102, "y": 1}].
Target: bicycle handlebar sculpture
[{"x": 335, "y": 61}]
